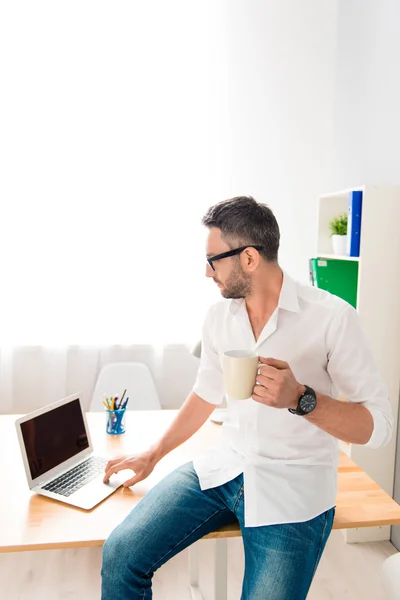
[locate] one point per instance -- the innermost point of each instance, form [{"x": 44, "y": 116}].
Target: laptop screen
[{"x": 53, "y": 437}]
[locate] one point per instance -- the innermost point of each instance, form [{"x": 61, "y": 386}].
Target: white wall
[
  {"x": 116, "y": 122},
  {"x": 104, "y": 157},
  {"x": 279, "y": 108},
  {"x": 312, "y": 106},
  {"x": 367, "y": 106},
  {"x": 367, "y": 111}
]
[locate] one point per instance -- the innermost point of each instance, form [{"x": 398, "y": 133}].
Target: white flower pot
[{"x": 339, "y": 244}]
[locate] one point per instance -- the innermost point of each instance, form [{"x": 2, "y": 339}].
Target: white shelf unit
[
  {"x": 335, "y": 256},
  {"x": 378, "y": 304}
]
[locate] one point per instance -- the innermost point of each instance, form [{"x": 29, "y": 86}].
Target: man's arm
[
  {"x": 192, "y": 415},
  {"x": 277, "y": 387},
  {"x": 366, "y": 418},
  {"x": 355, "y": 375},
  {"x": 349, "y": 422}
]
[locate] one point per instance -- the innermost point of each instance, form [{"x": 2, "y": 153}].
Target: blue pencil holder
[{"x": 115, "y": 421}]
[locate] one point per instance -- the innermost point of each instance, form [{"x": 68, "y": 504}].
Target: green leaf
[{"x": 338, "y": 225}]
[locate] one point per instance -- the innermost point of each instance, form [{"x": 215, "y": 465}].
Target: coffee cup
[{"x": 239, "y": 368}]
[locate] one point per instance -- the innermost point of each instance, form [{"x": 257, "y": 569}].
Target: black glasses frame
[{"x": 231, "y": 253}]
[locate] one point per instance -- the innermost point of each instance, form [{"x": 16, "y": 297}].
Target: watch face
[{"x": 307, "y": 403}]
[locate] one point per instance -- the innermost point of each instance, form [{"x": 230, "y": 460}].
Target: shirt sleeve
[
  {"x": 209, "y": 383},
  {"x": 354, "y": 373}
]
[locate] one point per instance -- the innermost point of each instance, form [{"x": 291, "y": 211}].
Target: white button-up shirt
[{"x": 289, "y": 464}]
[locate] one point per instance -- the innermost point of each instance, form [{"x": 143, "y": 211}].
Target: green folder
[{"x": 337, "y": 276}]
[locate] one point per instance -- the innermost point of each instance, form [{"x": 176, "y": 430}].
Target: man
[{"x": 276, "y": 469}]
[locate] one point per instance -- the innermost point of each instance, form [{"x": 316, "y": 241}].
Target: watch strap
[{"x": 298, "y": 410}]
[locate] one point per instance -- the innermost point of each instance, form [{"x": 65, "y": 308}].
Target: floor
[{"x": 346, "y": 572}]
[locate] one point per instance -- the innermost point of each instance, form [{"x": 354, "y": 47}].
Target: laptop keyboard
[{"x": 73, "y": 480}]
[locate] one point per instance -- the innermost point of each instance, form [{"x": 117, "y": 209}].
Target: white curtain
[{"x": 33, "y": 376}]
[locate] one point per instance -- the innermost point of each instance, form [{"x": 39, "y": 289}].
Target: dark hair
[{"x": 243, "y": 220}]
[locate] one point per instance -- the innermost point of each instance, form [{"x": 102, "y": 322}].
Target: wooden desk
[{"x": 31, "y": 522}]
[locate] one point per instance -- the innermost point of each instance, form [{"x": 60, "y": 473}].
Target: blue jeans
[{"x": 280, "y": 560}]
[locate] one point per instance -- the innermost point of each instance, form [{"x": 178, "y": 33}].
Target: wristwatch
[{"x": 306, "y": 404}]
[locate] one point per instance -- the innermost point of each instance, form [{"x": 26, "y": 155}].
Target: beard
[{"x": 238, "y": 284}]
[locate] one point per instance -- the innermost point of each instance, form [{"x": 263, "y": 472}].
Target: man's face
[{"x": 228, "y": 275}]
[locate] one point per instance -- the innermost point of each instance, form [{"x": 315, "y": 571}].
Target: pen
[{"x": 123, "y": 396}]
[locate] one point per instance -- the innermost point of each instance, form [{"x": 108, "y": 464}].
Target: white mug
[{"x": 239, "y": 368}]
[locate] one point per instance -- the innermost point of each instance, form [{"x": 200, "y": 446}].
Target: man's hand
[
  {"x": 276, "y": 385},
  {"x": 141, "y": 465}
]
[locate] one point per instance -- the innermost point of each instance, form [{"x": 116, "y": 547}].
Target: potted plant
[{"x": 338, "y": 227}]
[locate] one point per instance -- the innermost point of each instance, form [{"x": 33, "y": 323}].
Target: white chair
[
  {"x": 391, "y": 577},
  {"x": 135, "y": 377}
]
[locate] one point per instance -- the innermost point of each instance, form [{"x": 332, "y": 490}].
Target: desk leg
[
  {"x": 195, "y": 592},
  {"x": 220, "y": 575},
  {"x": 221, "y": 569}
]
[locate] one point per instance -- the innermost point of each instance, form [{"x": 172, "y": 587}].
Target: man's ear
[{"x": 251, "y": 259}]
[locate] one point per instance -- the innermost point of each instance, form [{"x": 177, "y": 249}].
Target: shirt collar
[{"x": 288, "y": 299}]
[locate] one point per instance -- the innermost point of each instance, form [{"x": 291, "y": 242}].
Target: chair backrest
[
  {"x": 136, "y": 378},
  {"x": 391, "y": 577}
]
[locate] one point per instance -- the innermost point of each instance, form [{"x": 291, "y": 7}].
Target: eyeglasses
[{"x": 230, "y": 253}]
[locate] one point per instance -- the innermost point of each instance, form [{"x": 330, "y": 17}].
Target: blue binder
[{"x": 354, "y": 223}]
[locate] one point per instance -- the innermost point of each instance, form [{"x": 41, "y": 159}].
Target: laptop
[{"x": 58, "y": 455}]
